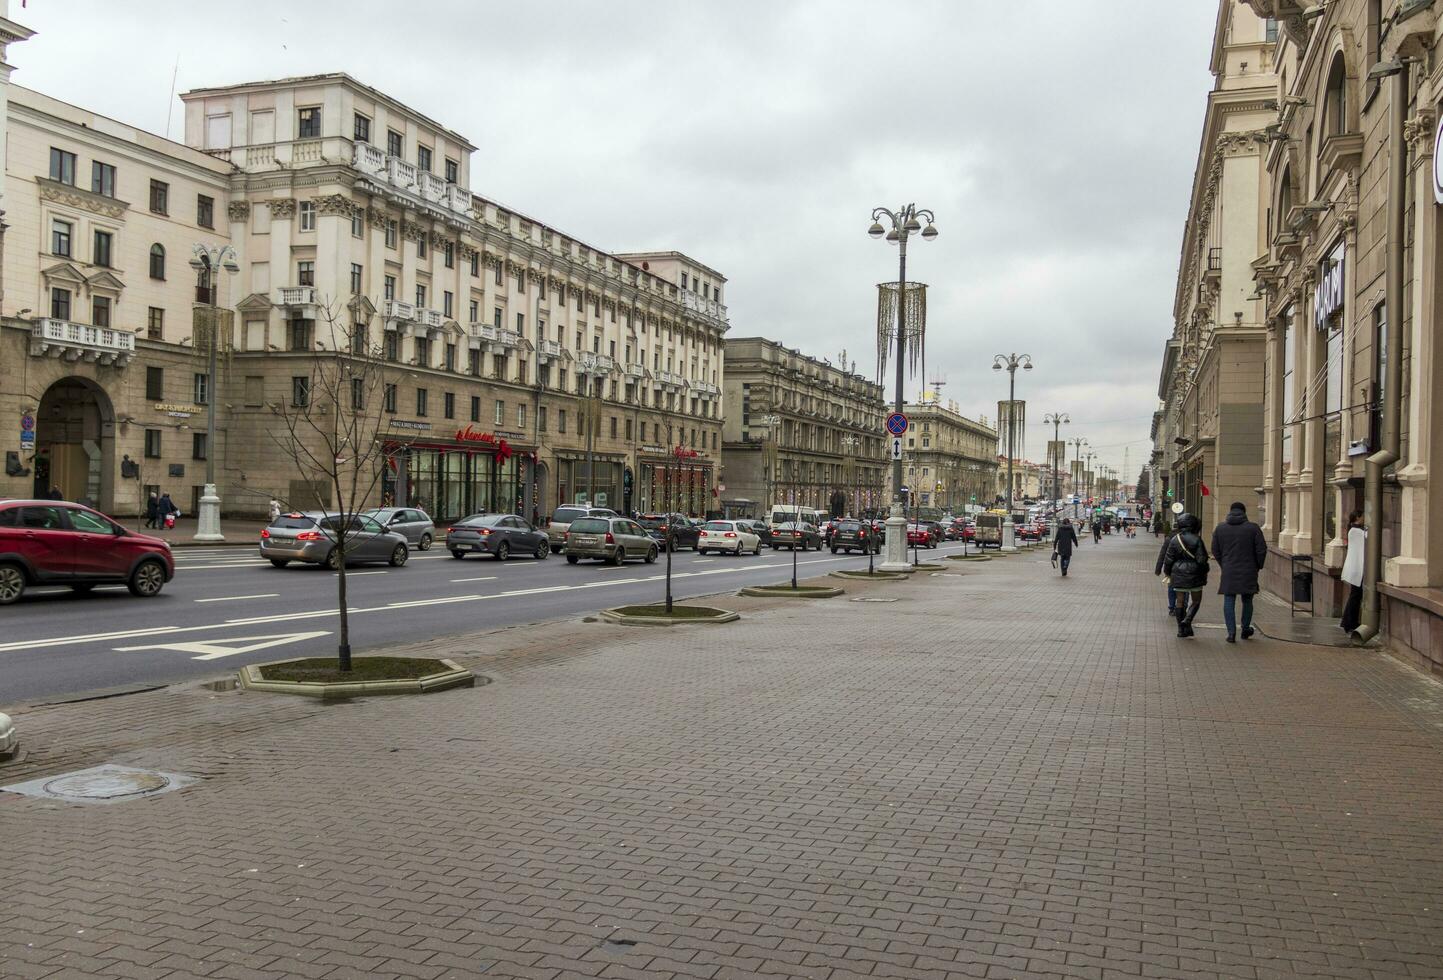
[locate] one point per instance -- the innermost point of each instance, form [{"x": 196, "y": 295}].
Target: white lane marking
[
  {"x": 215, "y": 649},
  {"x": 60, "y": 641},
  {"x": 379, "y": 571},
  {"x": 233, "y": 598},
  {"x": 479, "y": 578}
]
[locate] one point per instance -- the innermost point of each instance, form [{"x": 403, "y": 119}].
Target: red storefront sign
[{"x": 468, "y": 434}]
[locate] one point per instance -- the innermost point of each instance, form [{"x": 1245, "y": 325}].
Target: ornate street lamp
[
  {"x": 211, "y": 260},
  {"x": 1057, "y": 420},
  {"x": 1011, "y": 362}
]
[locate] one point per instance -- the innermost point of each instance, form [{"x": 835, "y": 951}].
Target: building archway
[{"x": 75, "y": 443}]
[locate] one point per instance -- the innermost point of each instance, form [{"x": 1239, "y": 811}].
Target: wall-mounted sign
[
  {"x": 177, "y": 411},
  {"x": 1328, "y": 293},
  {"x": 468, "y": 434},
  {"x": 27, "y": 431},
  {"x": 408, "y": 424}
]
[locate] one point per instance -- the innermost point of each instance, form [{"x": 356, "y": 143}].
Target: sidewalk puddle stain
[{"x": 102, "y": 784}]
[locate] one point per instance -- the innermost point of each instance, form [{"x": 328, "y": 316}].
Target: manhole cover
[
  {"x": 102, "y": 784},
  {"x": 868, "y": 598}
]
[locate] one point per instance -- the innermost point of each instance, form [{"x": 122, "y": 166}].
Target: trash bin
[{"x": 1303, "y": 588}]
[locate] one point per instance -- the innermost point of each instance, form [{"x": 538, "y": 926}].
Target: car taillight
[
  {"x": 662, "y": 528},
  {"x": 485, "y": 531},
  {"x": 265, "y": 533},
  {"x": 610, "y": 538},
  {"x": 309, "y": 536},
  {"x": 731, "y": 534},
  {"x": 861, "y": 534}
]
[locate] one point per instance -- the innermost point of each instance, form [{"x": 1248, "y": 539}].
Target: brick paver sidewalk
[{"x": 1002, "y": 774}]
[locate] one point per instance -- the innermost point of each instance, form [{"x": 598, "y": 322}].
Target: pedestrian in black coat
[
  {"x": 1157, "y": 570},
  {"x": 1064, "y": 543},
  {"x": 152, "y": 510},
  {"x": 1240, "y": 551},
  {"x": 1186, "y": 565}
]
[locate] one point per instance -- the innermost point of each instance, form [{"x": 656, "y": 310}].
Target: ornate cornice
[
  {"x": 53, "y": 190},
  {"x": 335, "y": 204}
]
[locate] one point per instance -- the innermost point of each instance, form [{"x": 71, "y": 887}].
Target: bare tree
[{"x": 333, "y": 425}]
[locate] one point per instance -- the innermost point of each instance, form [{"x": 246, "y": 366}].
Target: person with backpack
[
  {"x": 1062, "y": 546},
  {"x": 1186, "y": 564},
  {"x": 1239, "y": 547}
]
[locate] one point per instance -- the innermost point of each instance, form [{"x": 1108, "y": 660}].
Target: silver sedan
[{"x": 314, "y": 538}]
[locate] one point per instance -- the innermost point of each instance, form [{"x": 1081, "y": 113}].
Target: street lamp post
[
  {"x": 1077, "y": 445},
  {"x": 1011, "y": 362},
  {"x": 1087, "y": 477},
  {"x": 212, "y": 260},
  {"x": 905, "y": 222},
  {"x": 1058, "y": 419}
]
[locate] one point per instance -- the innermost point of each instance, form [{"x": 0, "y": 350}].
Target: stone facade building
[
  {"x": 514, "y": 352},
  {"x": 950, "y": 461},
  {"x": 1210, "y": 429},
  {"x": 824, "y": 449}
]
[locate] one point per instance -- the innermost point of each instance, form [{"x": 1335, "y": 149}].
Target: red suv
[{"x": 54, "y": 542}]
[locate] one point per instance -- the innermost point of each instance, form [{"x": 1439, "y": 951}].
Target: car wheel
[
  {"x": 458, "y": 555},
  {"x": 834, "y": 551},
  {"x": 82, "y": 587},
  {"x": 333, "y": 560},
  {"x": 280, "y": 562},
  {"x": 147, "y": 579},
  {"x": 503, "y": 551},
  {"x": 617, "y": 557},
  {"x": 651, "y": 555},
  {"x": 399, "y": 554},
  {"x": 555, "y": 550},
  {"x": 541, "y": 551},
  {"x": 425, "y": 544},
  {"x": 756, "y": 549},
  {"x": 738, "y": 552},
  {"x": 12, "y": 584},
  {"x": 572, "y": 559}
]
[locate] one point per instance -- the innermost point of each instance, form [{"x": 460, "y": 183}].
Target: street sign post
[
  {"x": 897, "y": 424},
  {"x": 896, "y": 448}
]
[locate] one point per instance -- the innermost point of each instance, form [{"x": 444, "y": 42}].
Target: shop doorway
[{"x": 74, "y": 443}]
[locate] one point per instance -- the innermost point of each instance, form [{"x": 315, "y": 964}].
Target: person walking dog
[
  {"x": 1186, "y": 565},
  {"x": 1353, "y": 571},
  {"x": 1062, "y": 547},
  {"x": 1240, "y": 551}
]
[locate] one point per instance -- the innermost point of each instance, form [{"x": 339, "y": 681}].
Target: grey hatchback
[
  {"x": 610, "y": 539},
  {"x": 414, "y": 525},
  {"x": 312, "y": 537},
  {"x": 502, "y": 535}
]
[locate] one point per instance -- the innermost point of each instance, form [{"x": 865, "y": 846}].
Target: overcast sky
[{"x": 1054, "y": 139}]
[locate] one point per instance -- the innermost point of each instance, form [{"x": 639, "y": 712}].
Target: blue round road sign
[{"x": 896, "y": 423}]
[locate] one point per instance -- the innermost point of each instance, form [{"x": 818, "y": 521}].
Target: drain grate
[{"x": 102, "y": 784}]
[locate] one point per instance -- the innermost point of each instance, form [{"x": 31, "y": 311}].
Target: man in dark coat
[
  {"x": 1063, "y": 545},
  {"x": 1240, "y": 551}
]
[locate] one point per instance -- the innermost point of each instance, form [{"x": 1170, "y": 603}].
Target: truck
[{"x": 988, "y": 531}]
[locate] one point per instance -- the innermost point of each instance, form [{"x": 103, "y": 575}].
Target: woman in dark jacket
[
  {"x": 1186, "y": 564},
  {"x": 1066, "y": 539},
  {"x": 152, "y": 510}
]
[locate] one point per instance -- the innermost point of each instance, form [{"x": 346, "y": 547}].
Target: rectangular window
[
  {"x": 100, "y": 254},
  {"x": 613, "y": 427},
  {"x": 496, "y": 318},
  {"x": 300, "y": 391},
  {"x": 423, "y": 351},
  {"x": 300, "y": 334},
  {"x": 448, "y": 405},
  {"x": 152, "y": 443},
  {"x": 450, "y": 357},
  {"x": 421, "y": 296},
  {"x": 497, "y": 270},
  {"x": 453, "y": 171},
  {"x": 305, "y": 273},
  {"x": 521, "y": 415},
  {"x": 60, "y": 232},
  {"x": 475, "y": 312},
  {"x": 159, "y": 197},
  {"x": 358, "y": 225},
  {"x": 541, "y": 418},
  {"x": 475, "y": 264},
  {"x": 561, "y": 420},
  {"x": 1287, "y": 341},
  {"x": 59, "y": 303},
  {"x": 393, "y": 143},
  {"x": 423, "y": 158},
  {"x": 628, "y": 430},
  {"x": 391, "y": 348},
  {"x": 100, "y": 311},
  {"x": 308, "y": 215},
  {"x": 421, "y": 396},
  {"x": 154, "y": 384},
  {"x": 447, "y": 303},
  {"x": 521, "y": 324},
  {"x": 62, "y": 166},
  {"x": 448, "y": 255},
  {"x": 360, "y": 339},
  {"x": 500, "y": 413},
  {"x": 197, "y": 445},
  {"x": 391, "y": 233},
  {"x": 361, "y": 132},
  {"x": 205, "y": 211},
  {"x": 388, "y": 398},
  {"x": 102, "y": 178},
  {"x": 421, "y": 246},
  {"x": 358, "y": 395},
  {"x": 521, "y": 282},
  {"x": 308, "y": 123},
  {"x": 255, "y": 390},
  {"x": 475, "y": 408},
  {"x": 155, "y": 323},
  {"x": 389, "y": 288},
  {"x": 356, "y": 271}
]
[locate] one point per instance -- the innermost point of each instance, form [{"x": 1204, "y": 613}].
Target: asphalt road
[{"x": 226, "y": 607}]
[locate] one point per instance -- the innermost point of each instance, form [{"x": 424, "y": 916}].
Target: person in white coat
[{"x": 1353, "y": 571}]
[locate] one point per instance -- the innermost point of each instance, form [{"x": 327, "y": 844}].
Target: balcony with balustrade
[
  {"x": 706, "y": 389},
  {"x": 548, "y": 350},
  {"x": 596, "y": 365},
  {"x": 302, "y": 298},
  {"x": 63, "y": 339},
  {"x": 706, "y": 306},
  {"x": 635, "y": 371},
  {"x": 405, "y": 181},
  {"x": 668, "y": 379},
  {"x": 493, "y": 339}
]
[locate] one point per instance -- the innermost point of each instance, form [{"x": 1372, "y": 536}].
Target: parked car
[
  {"x": 561, "y": 520},
  {"x": 609, "y": 539},
  {"x": 312, "y": 537},
  {"x": 796, "y": 534},
  {"x": 417, "y": 528},
  {"x": 732, "y": 536},
  {"x": 922, "y": 535},
  {"x": 55, "y": 542},
  {"x": 852, "y": 536},
  {"x": 684, "y": 534},
  {"x": 501, "y": 535}
]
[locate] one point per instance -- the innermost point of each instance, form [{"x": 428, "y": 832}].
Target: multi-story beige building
[
  {"x": 1211, "y": 383},
  {"x": 800, "y": 431},
  {"x": 515, "y": 352},
  {"x": 950, "y": 460}
]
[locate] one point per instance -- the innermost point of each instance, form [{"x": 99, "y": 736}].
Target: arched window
[
  {"x": 1335, "y": 102},
  {"x": 157, "y": 261}
]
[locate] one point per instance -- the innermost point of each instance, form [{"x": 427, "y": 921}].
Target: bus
[{"x": 782, "y": 513}]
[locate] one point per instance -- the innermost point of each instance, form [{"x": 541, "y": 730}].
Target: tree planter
[
  {"x": 969, "y": 557},
  {"x": 657, "y": 616},
  {"x": 787, "y": 592},
  {"x": 874, "y": 577},
  {"x": 372, "y": 676},
  {"x": 926, "y": 566}
]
